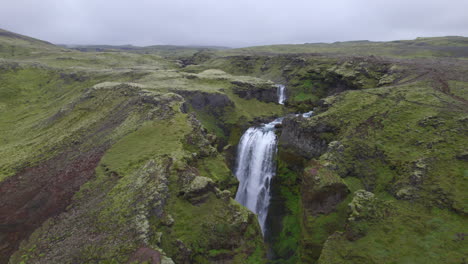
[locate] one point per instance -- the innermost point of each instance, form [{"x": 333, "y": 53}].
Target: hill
[
  {"x": 453, "y": 46},
  {"x": 12, "y": 44}
]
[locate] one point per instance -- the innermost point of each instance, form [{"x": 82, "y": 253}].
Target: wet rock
[{"x": 308, "y": 138}]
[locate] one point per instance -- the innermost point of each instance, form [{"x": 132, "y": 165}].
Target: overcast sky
[{"x": 231, "y": 23}]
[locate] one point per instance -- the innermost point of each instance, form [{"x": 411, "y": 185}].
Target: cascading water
[
  {"x": 281, "y": 92},
  {"x": 256, "y": 167},
  {"x": 256, "y": 164}
]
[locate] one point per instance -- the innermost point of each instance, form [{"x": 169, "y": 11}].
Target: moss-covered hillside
[
  {"x": 378, "y": 174},
  {"x": 126, "y": 156},
  {"x": 105, "y": 161}
]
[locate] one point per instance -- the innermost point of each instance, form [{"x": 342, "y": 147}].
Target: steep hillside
[
  {"x": 110, "y": 165},
  {"x": 12, "y": 44},
  {"x": 386, "y": 144}
]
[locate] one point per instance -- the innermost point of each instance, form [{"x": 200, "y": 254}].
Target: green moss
[
  {"x": 215, "y": 168},
  {"x": 403, "y": 238},
  {"x": 212, "y": 227},
  {"x": 151, "y": 139},
  {"x": 353, "y": 183},
  {"x": 285, "y": 225},
  {"x": 397, "y": 142},
  {"x": 249, "y": 109},
  {"x": 316, "y": 230},
  {"x": 305, "y": 96},
  {"x": 52, "y": 111}
]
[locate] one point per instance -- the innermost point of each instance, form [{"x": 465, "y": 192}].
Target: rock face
[
  {"x": 320, "y": 197},
  {"x": 198, "y": 189},
  {"x": 361, "y": 200},
  {"x": 265, "y": 92},
  {"x": 215, "y": 102},
  {"x": 305, "y": 137}
]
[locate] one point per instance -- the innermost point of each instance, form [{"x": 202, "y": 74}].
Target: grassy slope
[
  {"x": 416, "y": 119},
  {"x": 423, "y": 213},
  {"x": 31, "y": 96},
  {"x": 37, "y": 90},
  {"x": 166, "y": 51},
  {"x": 54, "y": 111},
  {"x": 14, "y": 45}
]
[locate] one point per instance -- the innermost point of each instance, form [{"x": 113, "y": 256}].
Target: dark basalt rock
[
  {"x": 304, "y": 137},
  {"x": 325, "y": 200},
  {"x": 263, "y": 92},
  {"x": 215, "y": 102}
]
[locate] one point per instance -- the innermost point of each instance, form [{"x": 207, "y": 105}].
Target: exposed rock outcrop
[
  {"x": 306, "y": 137},
  {"x": 215, "y": 102},
  {"x": 265, "y": 92},
  {"x": 322, "y": 192},
  {"x": 198, "y": 189}
]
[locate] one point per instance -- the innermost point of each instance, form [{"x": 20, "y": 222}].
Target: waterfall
[
  {"x": 281, "y": 93},
  {"x": 256, "y": 167}
]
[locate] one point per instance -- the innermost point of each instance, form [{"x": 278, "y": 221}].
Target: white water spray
[{"x": 256, "y": 168}]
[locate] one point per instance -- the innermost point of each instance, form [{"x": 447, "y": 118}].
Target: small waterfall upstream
[
  {"x": 281, "y": 92},
  {"x": 256, "y": 164},
  {"x": 256, "y": 167}
]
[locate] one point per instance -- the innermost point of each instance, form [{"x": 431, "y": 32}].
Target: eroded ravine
[{"x": 255, "y": 165}]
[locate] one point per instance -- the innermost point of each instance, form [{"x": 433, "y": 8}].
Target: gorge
[
  {"x": 256, "y": 167},
  {"x": 178, "y": 155}
]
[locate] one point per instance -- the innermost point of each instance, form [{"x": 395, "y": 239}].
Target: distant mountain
[
  {"x": 170, "y": 51},
  {"x": 449, "y": 46}
]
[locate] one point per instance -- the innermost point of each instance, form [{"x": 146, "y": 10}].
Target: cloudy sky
[{"x": 231, "y": 23}]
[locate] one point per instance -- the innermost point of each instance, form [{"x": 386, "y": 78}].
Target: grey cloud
[{"x": 231, "y": 23}]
